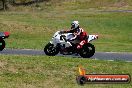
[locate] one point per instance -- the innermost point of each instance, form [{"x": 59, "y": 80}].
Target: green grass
[
  {"x": 34, "y": 30},
  {"x": 32, "y": 27},
  {"x": 55, "y": 72}
]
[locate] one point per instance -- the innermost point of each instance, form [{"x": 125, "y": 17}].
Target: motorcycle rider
[{"x": 79, "y": 33}]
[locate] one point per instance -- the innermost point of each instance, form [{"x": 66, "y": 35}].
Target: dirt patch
[
  {"x": 3, "y": 64},
  {"x": 120, "y": 4},
  {"x": 12, "y": 69}
]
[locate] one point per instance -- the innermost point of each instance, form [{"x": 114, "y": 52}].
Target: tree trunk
[{"x": 3, "y": 3}]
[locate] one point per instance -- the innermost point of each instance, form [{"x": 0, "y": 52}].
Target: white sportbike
[{"x": 60, "y": 44}]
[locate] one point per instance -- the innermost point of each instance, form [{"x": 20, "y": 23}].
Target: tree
[
  {"x": 4, "y": 4},
  {"x": 27, "y": 2}
]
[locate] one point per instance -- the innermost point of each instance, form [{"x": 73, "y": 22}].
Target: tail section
[
  {"x": 92, "y": 37},
  {"x": 6, "y": 34}
]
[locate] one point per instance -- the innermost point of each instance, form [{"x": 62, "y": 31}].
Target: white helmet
[{"x": 74, "y": 24}]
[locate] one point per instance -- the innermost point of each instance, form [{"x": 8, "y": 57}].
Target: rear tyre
[
  {"x": 50, "y": 50},
  {"x": 2, "y": 44},
  {"x": 87, "y": 50}
]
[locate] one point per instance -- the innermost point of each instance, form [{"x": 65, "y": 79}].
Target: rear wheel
[
  {"x": 50, "y": 50},
  {"x": 2, "y": 44},
  {"x": 87, "y": 50}
]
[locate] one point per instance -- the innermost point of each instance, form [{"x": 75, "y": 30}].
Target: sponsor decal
[{"x": 101, "y": 78}]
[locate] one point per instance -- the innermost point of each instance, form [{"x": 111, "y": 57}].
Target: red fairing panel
[{"x": 6, "y": 34}]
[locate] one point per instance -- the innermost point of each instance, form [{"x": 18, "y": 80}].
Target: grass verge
[
  {"x": 55, "y": 72},
  {"x": 33, "y": 28}
]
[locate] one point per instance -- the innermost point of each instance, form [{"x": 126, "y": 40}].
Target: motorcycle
[
  {"x": 60, "y": 44},
  {"x": 3, "y": 35}
]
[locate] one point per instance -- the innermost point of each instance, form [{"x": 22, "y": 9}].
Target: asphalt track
[{"x": 98, "y": 55}]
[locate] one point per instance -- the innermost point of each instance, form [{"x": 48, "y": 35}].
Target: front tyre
[
  {"x": 2, "y": 44},
  {"x": 87, "y": 50},
  {"x": 50, "y": 50}
]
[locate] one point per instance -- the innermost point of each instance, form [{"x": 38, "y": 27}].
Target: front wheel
[
  {"x": 87, "y": 50},
  {"x": 51, "y": 50},
  {"x": 2, "y": 44}
]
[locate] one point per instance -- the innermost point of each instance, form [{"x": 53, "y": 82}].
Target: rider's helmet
[{"x": 74, "y": 25}]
